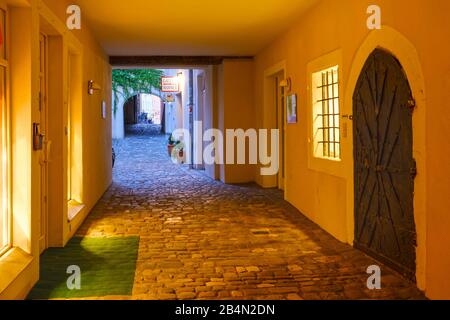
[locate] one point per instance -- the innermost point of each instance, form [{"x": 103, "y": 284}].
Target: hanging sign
[{"x": 170, "y": 84}]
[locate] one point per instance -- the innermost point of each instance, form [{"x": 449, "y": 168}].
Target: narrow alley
[
  {"x": 202, "y": 239},
  {"x": 224, "y": 150}
]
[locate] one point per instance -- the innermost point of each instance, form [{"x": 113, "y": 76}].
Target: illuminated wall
[
  {"x": 91, "y": 148},
  {"x": 415, "y": 31}
]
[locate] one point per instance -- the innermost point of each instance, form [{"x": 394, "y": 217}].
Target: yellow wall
[
  {"x": 20, "y": 269},
  {"x": 26, "y": 22},
  {"x": 333, "y": 25},
  {"x": 236, "y": 111}
]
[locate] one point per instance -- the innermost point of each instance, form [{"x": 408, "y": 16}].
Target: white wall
[
  {"x": 118, "y": 121},
  {"x": 170, "y": 117}
]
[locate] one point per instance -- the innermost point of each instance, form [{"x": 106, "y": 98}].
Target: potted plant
[
  {"x": 178, "y": 152},
  {"x": 170, "y": 145}
]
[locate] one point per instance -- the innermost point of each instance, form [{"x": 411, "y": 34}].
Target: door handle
[{"x": 347, "y": 116}]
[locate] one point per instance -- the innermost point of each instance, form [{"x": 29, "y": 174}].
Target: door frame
[
  {"x": 60, "y": 229},
  {"x": 269, "y": 121},
  {"x": 199, "y": 115},
  {"x": 281, "y": 125},
  {"x": 43, "y": 121},
  {"x": 5, "y": 127},
  {"x": 401, "y": 48}
]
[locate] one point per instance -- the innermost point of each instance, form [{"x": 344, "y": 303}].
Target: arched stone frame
[
  {"x": 118, "y": 125},
  {"x": 399, "y": 46}
]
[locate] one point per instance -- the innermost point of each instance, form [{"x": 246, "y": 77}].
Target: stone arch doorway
[
  {"x": 130, "y": 109},
  {"x": 143, "y": 109},
  {"x": 405, "y": 52},
  {"x": 119, "y": 116},
  {"x": 143, "y": 115},
  {"x": 384, "y": 167}
]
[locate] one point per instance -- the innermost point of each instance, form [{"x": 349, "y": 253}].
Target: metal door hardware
[
  {"x": 347, "y": 116},
  {"x": 38, "y": 137}
]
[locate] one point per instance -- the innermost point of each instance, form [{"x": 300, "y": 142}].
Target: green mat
[{"x": 107, "y": 268}]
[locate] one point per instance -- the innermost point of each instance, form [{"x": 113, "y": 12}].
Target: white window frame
[
  {"x": 5, "y": 210},
  {"x": 328, "y": 165},
  {"x": 326, "y": 114}
]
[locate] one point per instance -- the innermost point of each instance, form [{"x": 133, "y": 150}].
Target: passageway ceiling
[{"x": 190, "y": 27}]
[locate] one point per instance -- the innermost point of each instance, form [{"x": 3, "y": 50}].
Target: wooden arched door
[{"x": 384, "y": 164}]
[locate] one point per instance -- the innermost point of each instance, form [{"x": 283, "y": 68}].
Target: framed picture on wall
[{"x": 291, "y": 102}]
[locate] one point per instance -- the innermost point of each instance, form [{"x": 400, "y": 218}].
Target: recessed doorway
[{"x": 384, "y": 165}]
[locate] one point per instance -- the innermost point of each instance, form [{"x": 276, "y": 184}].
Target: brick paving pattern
[{"x": 201, "y": 239}]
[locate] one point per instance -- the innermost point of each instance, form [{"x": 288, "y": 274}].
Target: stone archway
[
  {"x": 131, "y": 111},
  {"x": 404, "y": 51},
  {"x": 118, "y": 116}
]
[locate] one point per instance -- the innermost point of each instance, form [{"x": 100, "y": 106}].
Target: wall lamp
[
  {"x": 92, "y": 87},
  {"x": 287, "y": 84}
]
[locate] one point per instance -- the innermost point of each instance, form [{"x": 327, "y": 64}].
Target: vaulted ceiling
[{"x": 189, "y": 27}]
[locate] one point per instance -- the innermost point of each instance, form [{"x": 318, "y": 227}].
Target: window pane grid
[{"x": 326, "y": 113}]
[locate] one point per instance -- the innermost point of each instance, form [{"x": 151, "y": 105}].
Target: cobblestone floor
[
  {"x": 143, "y": 129},
  {"x": 201, "y": 239}
]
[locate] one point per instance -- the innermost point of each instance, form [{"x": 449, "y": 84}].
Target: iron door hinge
[
  {"x": 412, "y": 104},
  {"x": 414, "y": 240},
  {"x": 413, "y": 169}
]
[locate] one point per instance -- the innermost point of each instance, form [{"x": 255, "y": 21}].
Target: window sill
[
  {"x": 74, "y": 208},
  {"x": 330, "y": 166},
  {"x": 5, "y": 250},
  {"x": 12, "y": 264},
  {"x": 328, "y": 159}
]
